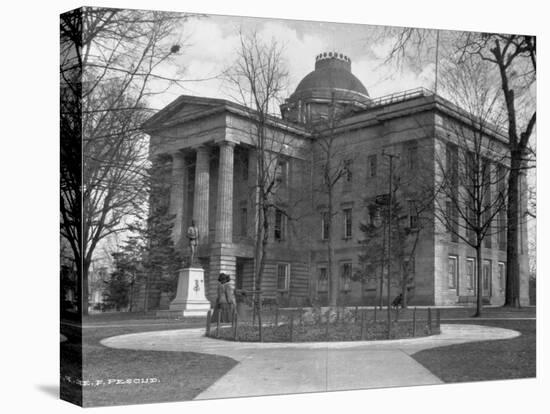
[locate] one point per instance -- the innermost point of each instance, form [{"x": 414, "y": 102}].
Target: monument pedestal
[{"x": 190, "y": 299}]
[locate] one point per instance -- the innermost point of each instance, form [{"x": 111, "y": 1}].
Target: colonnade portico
[
  {"x": 224, "y": 212},
  {"x": 178, "y": 186},
  {"x": 202, "y": 192},
  {"x": 219, "y": 260}
]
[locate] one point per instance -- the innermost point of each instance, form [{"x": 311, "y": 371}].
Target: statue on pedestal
[
  {"x": 190, "y": 297},
  {"x": 193, "y": 236}
]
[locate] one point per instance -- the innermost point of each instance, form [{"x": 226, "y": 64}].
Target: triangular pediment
[
  {"x": 183, "y": 108},
  {"x": 187, "y": 108}
]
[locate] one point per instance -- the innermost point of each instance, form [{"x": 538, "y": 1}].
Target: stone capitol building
[{"x": 208, "y": 147}]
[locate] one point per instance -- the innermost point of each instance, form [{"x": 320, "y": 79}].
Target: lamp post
[{"x": 377, "y": 222}]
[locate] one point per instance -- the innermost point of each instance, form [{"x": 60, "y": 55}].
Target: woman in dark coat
[{"x": 225, "y": 301}]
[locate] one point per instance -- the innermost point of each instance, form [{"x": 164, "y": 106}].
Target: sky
[{"x": 210, "y": 42}]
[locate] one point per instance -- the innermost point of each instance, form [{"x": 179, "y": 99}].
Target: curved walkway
[{"x": 283, "y": 368}]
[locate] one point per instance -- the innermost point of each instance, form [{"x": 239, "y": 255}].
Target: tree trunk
[
  {"x": 512, "y": 239},
  {"x": 516, "y": 152},
  {"x": 130, "y": 308},
  {"x": 262, "y": 239},
  {"x": 479, "y": 299},
  {"x": 261, "y": 223},
  {"x": 146, "y": 298},
  {"x": 83, "y": 288},
  {"x": 333, "y": 296},
  {"x": 382, "y": 261},
  {"x": 265, "y": 236},
  {"x": 258, "y": 252},
  {"x": 404, "y": 280}
]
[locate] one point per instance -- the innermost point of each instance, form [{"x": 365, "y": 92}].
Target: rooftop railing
[
  {"x": 401, "y": 96},
  {"x": 418, "y": 92}
]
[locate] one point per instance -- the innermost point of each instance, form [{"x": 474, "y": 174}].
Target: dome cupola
[{"x": 331, "y": 81}]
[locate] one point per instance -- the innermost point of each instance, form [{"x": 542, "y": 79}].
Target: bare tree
[
  {"x": 258, "y": 80},
  {"x": 335, "y": 165},
  {"x": 470, "y": 166},
  {"x": 411, "y": 212},
  {"x": 514, "y": 58},
  {"x": 109, "y": 58}
]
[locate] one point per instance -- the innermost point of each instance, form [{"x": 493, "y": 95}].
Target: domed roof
[
  {"x": 332, "y": 71},
  {"x": 331, "y": 84}
]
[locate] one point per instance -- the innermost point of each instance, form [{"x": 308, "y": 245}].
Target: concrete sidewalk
[
  {"x": 283, "y": 368},
  {"x": 285, "y": 371}
]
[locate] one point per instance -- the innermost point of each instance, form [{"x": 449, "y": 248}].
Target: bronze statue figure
[{"x": 193, "y": 236}]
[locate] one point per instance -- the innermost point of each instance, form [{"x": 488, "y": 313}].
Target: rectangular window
[
  {"x": 452, "y": 165},
  {"x": 413, "y": 216},
  {"x": 452, "y": 221},
  {"x": 487, "y": 200},
  {"x": 471, "y": 172},
  {"x": 502, "y": 276},
  {"x": 501, "y": 176},
  {"x": 486, "y": 167},
  {"x": 471, "y": 181},
  {"x": 245, "y": 167},
  {"x": 410, "y": 267},
  {"x": 280, "y": 225},
  {"x": 281, "y": 173},
  {"x": 283, "y": 276},
  {"x": 322, "y": 281},
  {"x": 372, "y": 165},
  {"x": 375, "y": 216},
  {"x": 239, "y": 272},
  {"x": 501, "y": 180},
  {"x": 470, "y": 273},
  {"x": 488, "y": 239},
  {"x": 486, "y": 282},
  {"x": 345, "y": 276},
  {"x": 501, "y": 216},
  {"x": 348, "y": 174},
  {"x": 453, "y": 271},
  {"x": 244, "y": 221},
  {"x": 470, "y": 225},
  {"x": 501, "y": 234},
  {"x": 490, "y": 171},
  {"x": 347, "y": 223},
  {"x": 412, "y": 153},
  {"x": 325, "y": 225}
]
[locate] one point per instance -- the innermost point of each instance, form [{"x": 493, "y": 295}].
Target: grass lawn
[
  {"x": 489, "y": 312},
  {"x": 487, "y": 360},
  {"x": 166, "y": 376},
  {"x": 118, "y": 318},
  {"x": 157, "y": 376}
]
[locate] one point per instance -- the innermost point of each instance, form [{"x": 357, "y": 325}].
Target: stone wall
[{"x": 392, "y": 128}]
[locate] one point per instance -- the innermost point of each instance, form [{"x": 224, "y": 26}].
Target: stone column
[
  {"x": 224, "y": 209},
  {"x": 177, "y": 198},
  {"x": 201, "y": 193}
]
